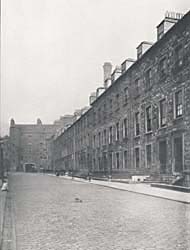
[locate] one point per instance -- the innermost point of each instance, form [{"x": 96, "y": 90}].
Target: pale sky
[{"x": 52, "y": 52}]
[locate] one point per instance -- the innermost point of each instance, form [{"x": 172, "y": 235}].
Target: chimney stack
[
  {"x": 116, "y": 74},
  {"x": 92, "y": 98},
  {"x": 126, "y": 64},
  {"x": 12, "y": 123},
  {"x": 170, "y": 19},
  {"x": 142, "y": 48},
  {"x": 107, "y": 74},
  {"x": 99, "y": 91}
]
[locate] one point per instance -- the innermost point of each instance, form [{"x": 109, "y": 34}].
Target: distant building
[
  {"x": 28, "y": 145},
  {"x": 140, "y": 124},
  {"x": 65, "y": 121},
  {"x": 4, "y": 155}
]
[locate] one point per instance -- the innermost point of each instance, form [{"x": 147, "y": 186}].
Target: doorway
[
  {"x": 178, "y": 154},
  {"x": 163, "y": 156}
]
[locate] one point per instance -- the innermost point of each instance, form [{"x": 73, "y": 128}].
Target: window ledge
[
  {"x": 137, "y": 136},
  {"x": 178, "y": 118},
  {"x": 163, "y": 127},
  {"x": 148, "y": 132}
]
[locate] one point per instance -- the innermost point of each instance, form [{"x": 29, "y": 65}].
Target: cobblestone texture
[{"x": 48, "y": 216}]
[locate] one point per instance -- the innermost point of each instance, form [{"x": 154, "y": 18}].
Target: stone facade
[
  {"x": 32, "y": 144},
  {"x": 140, "y": 125},
  {"x": 28, "y": 145}
]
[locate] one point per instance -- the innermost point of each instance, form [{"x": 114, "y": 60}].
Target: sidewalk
[
  {"x": 2, "y": 211},
  {"x": 140, "y": 188}
]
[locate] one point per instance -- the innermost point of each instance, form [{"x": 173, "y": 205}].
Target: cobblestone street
[{"x": 57, "y": 214}]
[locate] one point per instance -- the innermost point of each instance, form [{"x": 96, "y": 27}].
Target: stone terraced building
[{"x": 140, "y": 124}]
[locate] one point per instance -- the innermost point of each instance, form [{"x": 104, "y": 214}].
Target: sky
[{"x": 52, "y": 52}]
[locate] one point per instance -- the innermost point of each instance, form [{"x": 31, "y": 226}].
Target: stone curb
[
  {"x": 128, "y": 190},
  {"x": 7, "y": 242},
  {"x": 3, "y": 198}
]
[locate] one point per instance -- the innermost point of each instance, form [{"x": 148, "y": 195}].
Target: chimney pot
[
  {"x": 170, "y": 19},
  {"x": 107, "y": 67}
]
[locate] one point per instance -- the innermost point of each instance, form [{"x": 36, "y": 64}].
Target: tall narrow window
[
  {"x": 178, "y": 104},
  {"x": 111, "y": 104},
  {"x": 117, "y": 131},
  {"x": 178, "y": 154},
  {"x": 125, "y": 99},
  {"x": 163, "y": 67},
  {"x": 124, "y": 128},
  {"x": 137, "y": 87},
  {"x": 137, "y": 157},
  {"x": 110, "y": 159},
  {"x": 163, "y": 156},
  {"x": 117, "y": 101},
  {"x": 137, "y": 124},
  {"x": 179, "y": 55},
  {"x": 104, "y": 137},
  {"x": 148, "y": 78},
  {"x": 105, "y": 111},
  {"x": 125, "y": 159},
  {"x": 163, "y": 113},
  {"x": 99, "y": 115},
  {"x": 99, "y": 163},
  {"x": 148, "y": 156},
  {"x": 94, "y": 141},
  {"x": 94, "y": 118},
  {"x": 110, "y": 135},
  {"x": 148, "y": 119},
  {"x": 99, "y": 139},
  {"x": 117, "y": 160},
  {"x": 94, "y": 163}
]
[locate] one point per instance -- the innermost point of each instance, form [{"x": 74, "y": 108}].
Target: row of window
[
  {"x": 106, "y": 137},
  {"x": 101, "y": 137},
  {"x": 162, "y": 68},
  {"x": 148, "y": 77},
  {"x": 103, "y": 164},
  {"x": 178, "y": 103},
  {"x": 178, "y": 112},
  {"x": 121, "y": 159}
]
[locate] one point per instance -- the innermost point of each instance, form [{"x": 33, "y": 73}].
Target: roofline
[
  {"x": 145, "y": 54},
  {"x": 145, "y": 42},
  {"x": 154, "y": 46}
]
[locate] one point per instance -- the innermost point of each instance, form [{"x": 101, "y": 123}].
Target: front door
[
  {"x": 163, "y": 156},
  {"x": 178, "y": 154}
]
